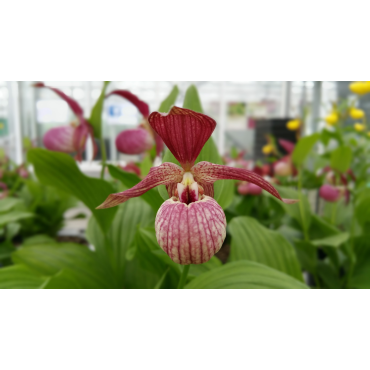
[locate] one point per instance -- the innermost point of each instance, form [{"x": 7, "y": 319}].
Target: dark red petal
[
  {"x": 139, "y": 104},
  {"x": 207, "y": 172},
  {"x": 164, "y": 174},
  {"x": 184, "y": 132},
  {"x": 159, "y": 144},
  {"x": 75, "y": 107},
  {"x": 287, "y": 145}
]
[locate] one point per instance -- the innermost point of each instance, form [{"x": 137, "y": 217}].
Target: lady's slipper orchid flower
[
  {"x": 356, "y": 113},
  {"x": 293, "y": 125},
  {"x": 246, "y": 188},
  {"x": 330, "y": 193},
  {"x": 132, "y": 168},
  {"x": 360, "y": 87},
  {"x": 359, "y": 127},
  {"x": 332, "y": 118},
  {"x": 267, "y": 149},
  {"x": 191, "y": 225},
  {"x": 139, "y": 140},
  {"x": 72, "y": 138}
]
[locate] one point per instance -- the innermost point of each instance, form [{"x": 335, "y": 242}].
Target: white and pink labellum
[
  {"x": 190, "y": 233},
  {"x": 248, "y": 188},
  {"x": 60, "y": 139},
  {"x": 330, "y": 193},
  {"x": 135, "y": 141},
  {"x": 282, "y": 169}
]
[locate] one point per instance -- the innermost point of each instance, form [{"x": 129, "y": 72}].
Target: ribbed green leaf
[
  {"x": 209, "y": 153},
  {"x": 252, "y": 241},
  {"x": 169, "y": 101},
  {"x": 95, "y": 119},
  {"x": 83, "y": 264},
  {"x": 8, "y": 203},
  {"x": 20, "y": 277},
  {"x": 331, "y": 241},
  {"x": 303, "y": 148},
  {"x": 60, "y": 170},
  {"x": 114, "y": 246},
  {"x": 341, "y": 158},
  {"x": 245, "y": 275},
  {"x": 361, "y": 275},
  {"x": 130, "y": 179},
  {"x": 14, "y": 216},
  {"x": 300, "y": 211}
]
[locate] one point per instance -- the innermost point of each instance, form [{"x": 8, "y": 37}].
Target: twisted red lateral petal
[
  {"x": 75, "y": 107},
  {"x": 287, "y": 145},
  {"x": 184, "y": 132},
  {"x": 164, "y": 174},
  {"x": 139, "y": 104},
  {"x": 209, "y": 173}
]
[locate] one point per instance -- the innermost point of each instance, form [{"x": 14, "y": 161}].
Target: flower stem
[
  {"x": 103, "y": 155},
  {"x": 300, "y": 203},
  {"x": 183, "y": 277}
]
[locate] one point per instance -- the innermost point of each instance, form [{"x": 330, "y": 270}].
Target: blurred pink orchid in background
[
  {"x": 141, "y": 139},
  {"x": 247, "y": 188},
  {"x": 284, "y": 166},
  {"x": 72, "y": 138},
  {"x": 132, "y": 168},
  {"x": 4, "y": 192},
  {"x": 191, "y": 225},
  {"x": 330, "y": 193}
]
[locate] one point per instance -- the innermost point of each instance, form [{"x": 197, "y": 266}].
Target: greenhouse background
[{"x": 197, "y": 185}]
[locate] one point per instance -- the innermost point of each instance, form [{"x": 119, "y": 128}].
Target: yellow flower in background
[
  {"x": 356, "y": 113},
  {"x": 368, "y": 134},
  {"x": 332, "y": 119},
  {"x": 293, "y": 125},
  {"x": 359, "y": 127},
  {"x": 360, "y": 87},
  {"x": 267, "y": 149},
  {"x": 1, "y": 126}
]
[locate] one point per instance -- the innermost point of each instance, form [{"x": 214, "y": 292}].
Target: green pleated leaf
[
  {"x": 114, "y": 246},
  {"x": 331, "y": 241},
  {"x": 14, "y": 216},
  {"x": 8, "y": 203},
  {"x": 209, "y": 153},
  {"x": 300, "y": 211},
  {"x": 245, "y": 275},
  {"x": 83, "y": 264},
  {"x": 341, "y": 158},
  {"x": 152, "y": 196},
  {"x": 60, "y": 171},
  {"x": 303, "y": 148},
  {"x": 95, "y": 119},
  {"x": 169, "y": 101},
  {"x": 252, "y": 241},
  {"x": 20, "y": 277},
  {"x": 361, "y": 275}
]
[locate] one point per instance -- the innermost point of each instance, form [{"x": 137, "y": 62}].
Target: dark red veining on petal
[
  {"x": 164, "y": 174},
  {"x": 190, "y": 234},
  {"x": 206, "y": 172},
  {"x": 184, "y": 132}
]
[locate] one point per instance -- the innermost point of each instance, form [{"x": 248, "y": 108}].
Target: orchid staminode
[
  {"x": 71, "y": 138},
  {"x": 191, "y": 225}
]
